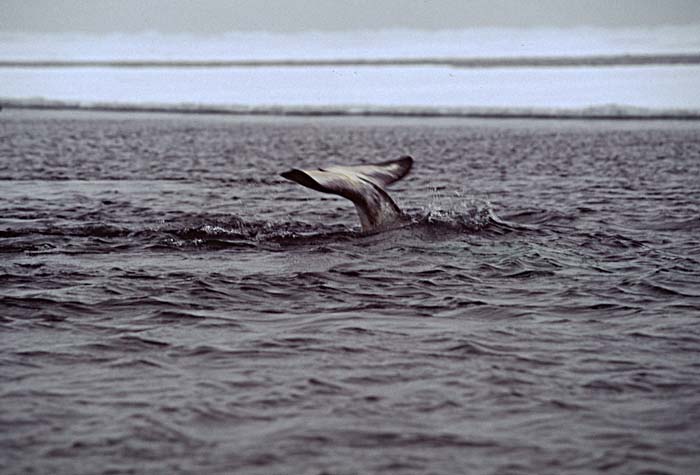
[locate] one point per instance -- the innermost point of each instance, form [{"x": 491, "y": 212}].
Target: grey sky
[{"x": 216, "y": 16}]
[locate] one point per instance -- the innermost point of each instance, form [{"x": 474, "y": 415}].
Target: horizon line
[{"x": 456, "y": 62}]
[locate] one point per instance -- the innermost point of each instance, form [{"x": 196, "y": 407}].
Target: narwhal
[{"x": 363, "y": 185}]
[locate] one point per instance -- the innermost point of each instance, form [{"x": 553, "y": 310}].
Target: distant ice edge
[{"x": 608, "y": 111}]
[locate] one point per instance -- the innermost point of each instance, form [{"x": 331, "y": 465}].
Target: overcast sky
[{"x": 216, "y": 16}]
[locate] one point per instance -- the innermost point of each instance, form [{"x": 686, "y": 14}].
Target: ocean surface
[{"x": 169, "y": 304}]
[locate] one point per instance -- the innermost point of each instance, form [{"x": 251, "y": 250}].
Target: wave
[
  {"x": 603, "y": 112},
  {"x": 436, "y": 222}
]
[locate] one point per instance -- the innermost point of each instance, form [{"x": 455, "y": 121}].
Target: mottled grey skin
[{"x": 363, "y": 185}]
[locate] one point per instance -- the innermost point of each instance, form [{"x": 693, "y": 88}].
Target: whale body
[{"x": 363, "y": 185}]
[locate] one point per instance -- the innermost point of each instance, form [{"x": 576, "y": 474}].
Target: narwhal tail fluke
[{"x": 363, "y": 185}]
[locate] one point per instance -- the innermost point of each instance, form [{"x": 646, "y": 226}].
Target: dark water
[{"x": 170, "y": 305}]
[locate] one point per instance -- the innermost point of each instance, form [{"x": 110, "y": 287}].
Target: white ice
[
  {"x": 480, "y": 42},
  {"x": 430, "y": 86}
]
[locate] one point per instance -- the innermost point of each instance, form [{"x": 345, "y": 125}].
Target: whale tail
[{"x": 361, "y": 184}]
